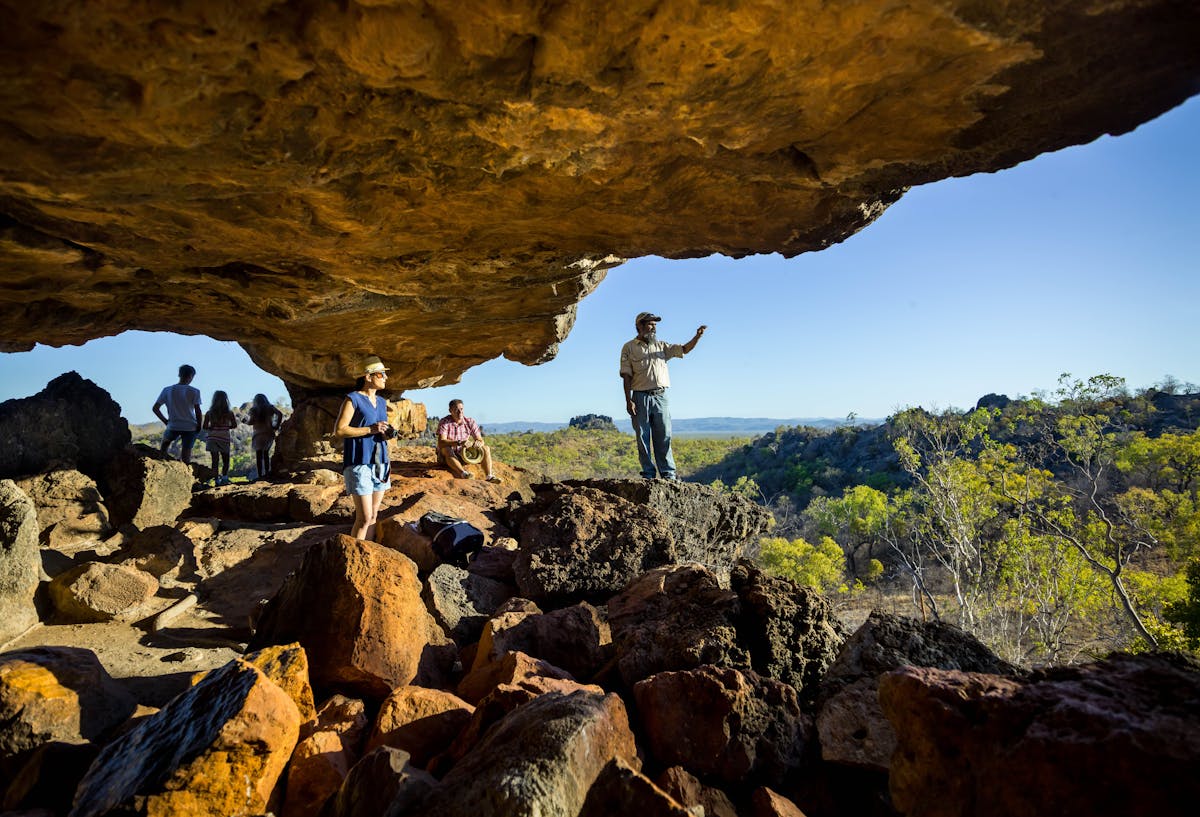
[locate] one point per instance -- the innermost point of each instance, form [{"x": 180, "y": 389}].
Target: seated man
[{"x": 453, "y": 433}]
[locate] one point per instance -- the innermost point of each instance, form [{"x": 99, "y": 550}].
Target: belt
[{"x": 659, "y": 390}]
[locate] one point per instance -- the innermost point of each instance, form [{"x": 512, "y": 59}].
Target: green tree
[
  {"x": 821, "y": 566},
  {"x": 1083, "y": 432},
  {"x": 854, "y": 520}
]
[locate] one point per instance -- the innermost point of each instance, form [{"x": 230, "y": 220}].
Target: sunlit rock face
[{"x": 441, "y": 181}]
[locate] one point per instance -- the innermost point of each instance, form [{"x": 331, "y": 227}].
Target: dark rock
[
  {"x": 687, "y": 789},
  {"x": 791, "y": 631},
  {"x": 20, "y": 561},
  {"x": 382, "y": 783},
  {"x": 708, "y": 526},
  {"x": 850, "y": 724},
  {"x": 70, "y": 511},
  {"x": 1120, "y": 736},
  {"x": 592, "y": 422},
  {"x": 462, "y": 601},
  {"x": 577, "y": 638},
  {"x": 145, "y": 487},
  {"x": 542, "y": 758},
  {"x": 47, "y": 778},
  {"x": 723, "y": 723},
  {"x": 581, "y": 544},
  {"x": 675, "y": 618},
  {"x": 55, "y": 695},
  {"x": 72, "y": 421},
  {"x": 621, "y": 789}
]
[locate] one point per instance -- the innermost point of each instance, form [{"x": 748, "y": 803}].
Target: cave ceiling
[{"x": 322, "y": 180}]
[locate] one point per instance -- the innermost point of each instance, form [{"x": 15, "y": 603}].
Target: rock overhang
[{"x": 319, "y": 181}]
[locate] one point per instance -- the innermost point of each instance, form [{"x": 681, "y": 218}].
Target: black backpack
[{"x": 454, "y": 539}]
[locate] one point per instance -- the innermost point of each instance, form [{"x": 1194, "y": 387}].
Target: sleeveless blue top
[{"x": 371, "y": 449}]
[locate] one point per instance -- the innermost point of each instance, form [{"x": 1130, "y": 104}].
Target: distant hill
[{"x": 699, "y": 426}]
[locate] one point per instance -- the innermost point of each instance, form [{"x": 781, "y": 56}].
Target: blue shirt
[{"x": 373, "y": 448}]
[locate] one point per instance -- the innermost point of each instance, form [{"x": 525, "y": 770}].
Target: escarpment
[{"x": 321, "y": 180}]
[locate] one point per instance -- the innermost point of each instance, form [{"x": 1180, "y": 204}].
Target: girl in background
[
  {"x": 264, "y": 418},
  {"x": 219, "y": 420}
]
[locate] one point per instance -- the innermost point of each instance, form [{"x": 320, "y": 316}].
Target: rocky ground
[{"x": 176, "y": 649}]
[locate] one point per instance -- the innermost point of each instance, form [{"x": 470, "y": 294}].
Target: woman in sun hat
[{"x": 363, "y": 427}]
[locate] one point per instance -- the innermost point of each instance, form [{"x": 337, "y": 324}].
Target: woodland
[{"x": 1056, "y": 528}]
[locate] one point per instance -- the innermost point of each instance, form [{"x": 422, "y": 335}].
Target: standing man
[
  {"x": 183, "y": 413},
  {"x": 644, "y": 373},
  {"x": 453, "y": 433}
]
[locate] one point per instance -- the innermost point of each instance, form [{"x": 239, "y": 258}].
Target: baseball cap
[{"x": 647, "y": 316}]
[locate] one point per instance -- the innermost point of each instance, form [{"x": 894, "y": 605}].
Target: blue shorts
[
  {"x": 173, "y": 434},
  {"x": 367, "y": 479}
]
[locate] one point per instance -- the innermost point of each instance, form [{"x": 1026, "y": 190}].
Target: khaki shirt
[{"x": 647, "y": 363}]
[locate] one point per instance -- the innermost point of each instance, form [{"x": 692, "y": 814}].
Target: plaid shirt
[{"x": 465, "y": 429}]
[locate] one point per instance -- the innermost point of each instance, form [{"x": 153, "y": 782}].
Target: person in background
[
  {"x": 219, "y": 420},
  {"x": 453, "y": 433},
  {"x": 183, "y": 413},
  {"x": 264, "y": 418},
  {"x": 363, "y": 427},
  {"x": 644, "y": 375}
]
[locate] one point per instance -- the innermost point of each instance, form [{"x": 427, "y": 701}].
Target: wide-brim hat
[
  {"x": 647, "y": 316},
  {"x": 371, "y": 365}
]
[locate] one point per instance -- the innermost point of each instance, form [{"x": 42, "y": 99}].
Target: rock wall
[{"x": 322, "y": 180}]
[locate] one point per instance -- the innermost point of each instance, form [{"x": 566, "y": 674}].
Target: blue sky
[{"x": 1081, "y": 261}]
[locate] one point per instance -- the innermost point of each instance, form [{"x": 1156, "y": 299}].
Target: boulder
[
  {"x": 496, "y": 562},
  {"x": 541, "y": 758},
  {"x": 675, "y": 618},
  {"x": 71, "y": 421},
  {"x": 55, "y": 694},
  {"x": 576, "y": 638},
  {"x": 217, "y": 749},
  {"x": 850, "y": 723},
  {"x": 95, "y": 591},
  {"x": 406, "y": 537},
  {"x": 687, "y": 789},
  {"x": 382, "y": 784},
  {"x": 20, "y": 561},
  {"x": 356, "y": 609},
  {"x": 164, "y": 552},
  {"x": 767, "y": 803},
  {"x": 268, "y": 502},
  {"x": 1120, "y": 736},
  {"x": 287, "y": 666},
  {"x": 620, "y": 789},
  {"x": 461, "y": 601},
  {"x": 709, "y": 526},
  {"x": 323, "y": 759},
  {"x": 145, "y": 487},
  {"x": 791, "y": 631},
  {"x": 514, "y": 669},
  {"x": 45, "y": 784},
  {"x": 582, "y": 544},
  {"x": 723, "y": 723},
  {"x": 422, "y": 722},
  {"x": 70, "y": 512}
]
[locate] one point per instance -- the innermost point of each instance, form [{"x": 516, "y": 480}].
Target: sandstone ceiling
[{"x": 321, "y": 179}]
